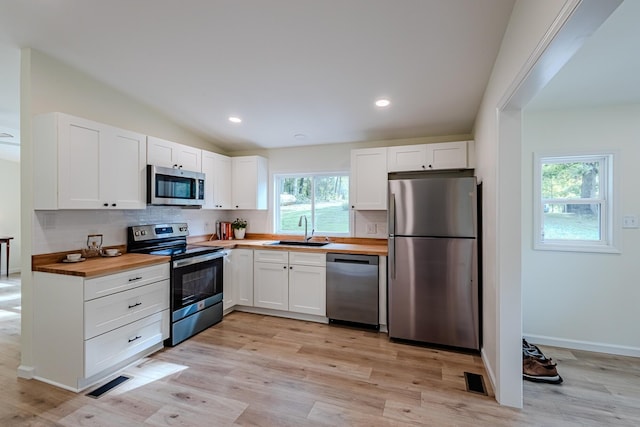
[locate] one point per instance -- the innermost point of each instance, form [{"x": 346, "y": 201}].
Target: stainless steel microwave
[{"x": 174, "y": 187}]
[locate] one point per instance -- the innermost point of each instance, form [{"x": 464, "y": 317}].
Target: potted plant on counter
[{"x": 239, "y": 227}]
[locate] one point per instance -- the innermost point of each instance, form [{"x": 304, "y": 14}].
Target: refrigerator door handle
[
  {"x": 392, "y": 257},
  {"x": 392, "y": 214},
  {"x": 392, "y": 232}
]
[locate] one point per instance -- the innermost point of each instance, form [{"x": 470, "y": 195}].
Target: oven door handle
[{"x": 197, "y": 259}]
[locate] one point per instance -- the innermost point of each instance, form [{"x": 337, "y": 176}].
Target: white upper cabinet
[
  {"x": 407, "y": 158},
  {"x": 98, "y": 166},
  {"x": 368, "y": 183},
  {"x": 168, "y": 154},
  {"x": 443, "y": 155},
  {"x": 217, "y": 181},
  {"x": 249, "y": 182}
]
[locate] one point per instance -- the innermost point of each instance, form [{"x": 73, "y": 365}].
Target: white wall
[
  {"x": 10, "y": 213},
  {"x": 528, "y": 25},
  {"x": 584, "y": 300},
  {"x": 326, "y": 158}
]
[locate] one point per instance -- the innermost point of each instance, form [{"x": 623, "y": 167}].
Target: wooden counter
[
  {"x": 99, "y": 266},
  {"x": 352, "y": 248}
]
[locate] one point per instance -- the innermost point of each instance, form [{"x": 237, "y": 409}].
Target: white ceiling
[
  {"x": 306, "y": 67},
  {"x": 286, "y": 67},
  {"x": 606, "y": 69}
]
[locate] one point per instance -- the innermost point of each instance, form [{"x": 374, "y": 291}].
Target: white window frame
[
  {"x": 608, "y": 177},
  {"x": 276, "y": 202}
]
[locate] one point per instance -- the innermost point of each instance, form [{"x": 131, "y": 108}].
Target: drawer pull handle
[
  {"x": 135, "y": 278},
  {"x": 136, "y": 338},
  {"x": 135, "y": 305}
]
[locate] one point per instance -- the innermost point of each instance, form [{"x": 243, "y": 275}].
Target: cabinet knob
[
  {"x": 113, "y": 204},
  {"x": 106, "y": 205},
  {"x": 175, "y": 165},
  {"x": 430, "y": 166},
  {"x": 180, "y": 167},
  {"x": 290, "y": 268},
  {"x": 423, "y": 167},
  {"x": 237, "y": 206},
  {"x": 284, "y": 266}
]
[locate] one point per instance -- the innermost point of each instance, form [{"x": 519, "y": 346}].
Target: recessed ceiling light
[
  {"x": 383, "y": 102},
  {"x": 234, "y": 119}
]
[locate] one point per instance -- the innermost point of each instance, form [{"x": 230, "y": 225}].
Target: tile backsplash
[
  {"x": 67, "y": 230},
  {"x": 57, "y": 231}
]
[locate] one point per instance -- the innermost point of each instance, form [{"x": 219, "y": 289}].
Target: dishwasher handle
[{"x": 352, "y": 259}]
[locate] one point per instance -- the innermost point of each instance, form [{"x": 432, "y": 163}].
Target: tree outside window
[
  {"x": 574, "y": 202},
  {"x": 323, "y": 199}
]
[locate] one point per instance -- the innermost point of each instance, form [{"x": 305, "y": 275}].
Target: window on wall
[
  {"x": 323, "y": 199},
  {"x": 574, "y": 203}
]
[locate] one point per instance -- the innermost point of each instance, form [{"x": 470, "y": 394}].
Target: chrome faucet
[{"x": 306, "y": 239}]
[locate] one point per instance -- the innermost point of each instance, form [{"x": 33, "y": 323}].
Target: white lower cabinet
[
  {"x": 290, "y": 281},
  {"x": 271, "y": 280},
  {"x": 87, "y": 329},
  {"x": 238, "y": 279}
]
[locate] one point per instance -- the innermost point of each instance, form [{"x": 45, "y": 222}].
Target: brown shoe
[{"x": 534, "y": 370}]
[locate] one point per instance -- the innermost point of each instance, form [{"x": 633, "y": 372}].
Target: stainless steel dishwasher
[{"x": 352, "y": 288}]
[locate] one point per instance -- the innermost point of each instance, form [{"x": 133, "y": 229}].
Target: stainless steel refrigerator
[{"x": 433, "y": 260}]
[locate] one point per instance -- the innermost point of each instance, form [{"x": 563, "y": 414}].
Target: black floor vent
[
  {"x": 475, "y": 383},
  {"x": 108, "y": 386}
]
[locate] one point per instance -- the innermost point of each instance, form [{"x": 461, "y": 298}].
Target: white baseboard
[
  {"x": 26, "y": 372},
  {"x": 490, "y": 374},
  {"x": 597, "y": 347}
]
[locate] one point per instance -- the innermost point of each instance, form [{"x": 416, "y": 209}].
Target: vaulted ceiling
[{"x": 296, "y": 72}]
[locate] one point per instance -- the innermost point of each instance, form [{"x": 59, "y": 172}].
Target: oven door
[{"x": 196, "y": 284}]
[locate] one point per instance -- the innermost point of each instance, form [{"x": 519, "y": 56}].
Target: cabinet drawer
[
  {"x": 307, "y": 258},
  {"x": 281, "y": 257},
  {"x": 106, "y": 285},
  {"x": 110, "y": 312},
  {"x": 107, "y": 350}
]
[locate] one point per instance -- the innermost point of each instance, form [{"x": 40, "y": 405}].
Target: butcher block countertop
[
  {"x": 98, "y": 266},
  {"x": 338, "y": 245}
]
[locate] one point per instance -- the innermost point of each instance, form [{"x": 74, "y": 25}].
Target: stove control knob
[
  {"x": 136, "y": 233},
  {"x": 143, "y": 232}
]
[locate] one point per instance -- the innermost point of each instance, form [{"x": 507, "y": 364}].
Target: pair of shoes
[
  {"x": 530, "y": 350},
  {"x": 534, "y": 370}
]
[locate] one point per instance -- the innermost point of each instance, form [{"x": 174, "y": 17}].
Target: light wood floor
[{"x": 261, "y": 370}]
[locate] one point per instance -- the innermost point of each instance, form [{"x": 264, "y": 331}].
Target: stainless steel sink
[{"x": 297, "y": 243}]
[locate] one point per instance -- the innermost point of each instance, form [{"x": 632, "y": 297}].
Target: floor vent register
[
  {"x": 475, "y": 383},
  {"x": 108, "y": 386}
]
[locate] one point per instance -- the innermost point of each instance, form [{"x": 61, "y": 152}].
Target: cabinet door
[
  {"x": 271, "y": 286},
  {"x": 160, "y": 152},
  {"x": 217, "y": 181},
  {"x": 369, "y": 179},
  {"x": 307, "y": 289},
  {"x": 243, "y": 276},
  {"x": 79, "y": 166},
  {"x": 407, "y": 158},
  {"x": 447, "y": 155},
  {"x": 188, "y": 158},
  {"x": 249, "y": 182},
  {"x": 124, "y": 186},
  {"x": 230, "y": 288}
]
